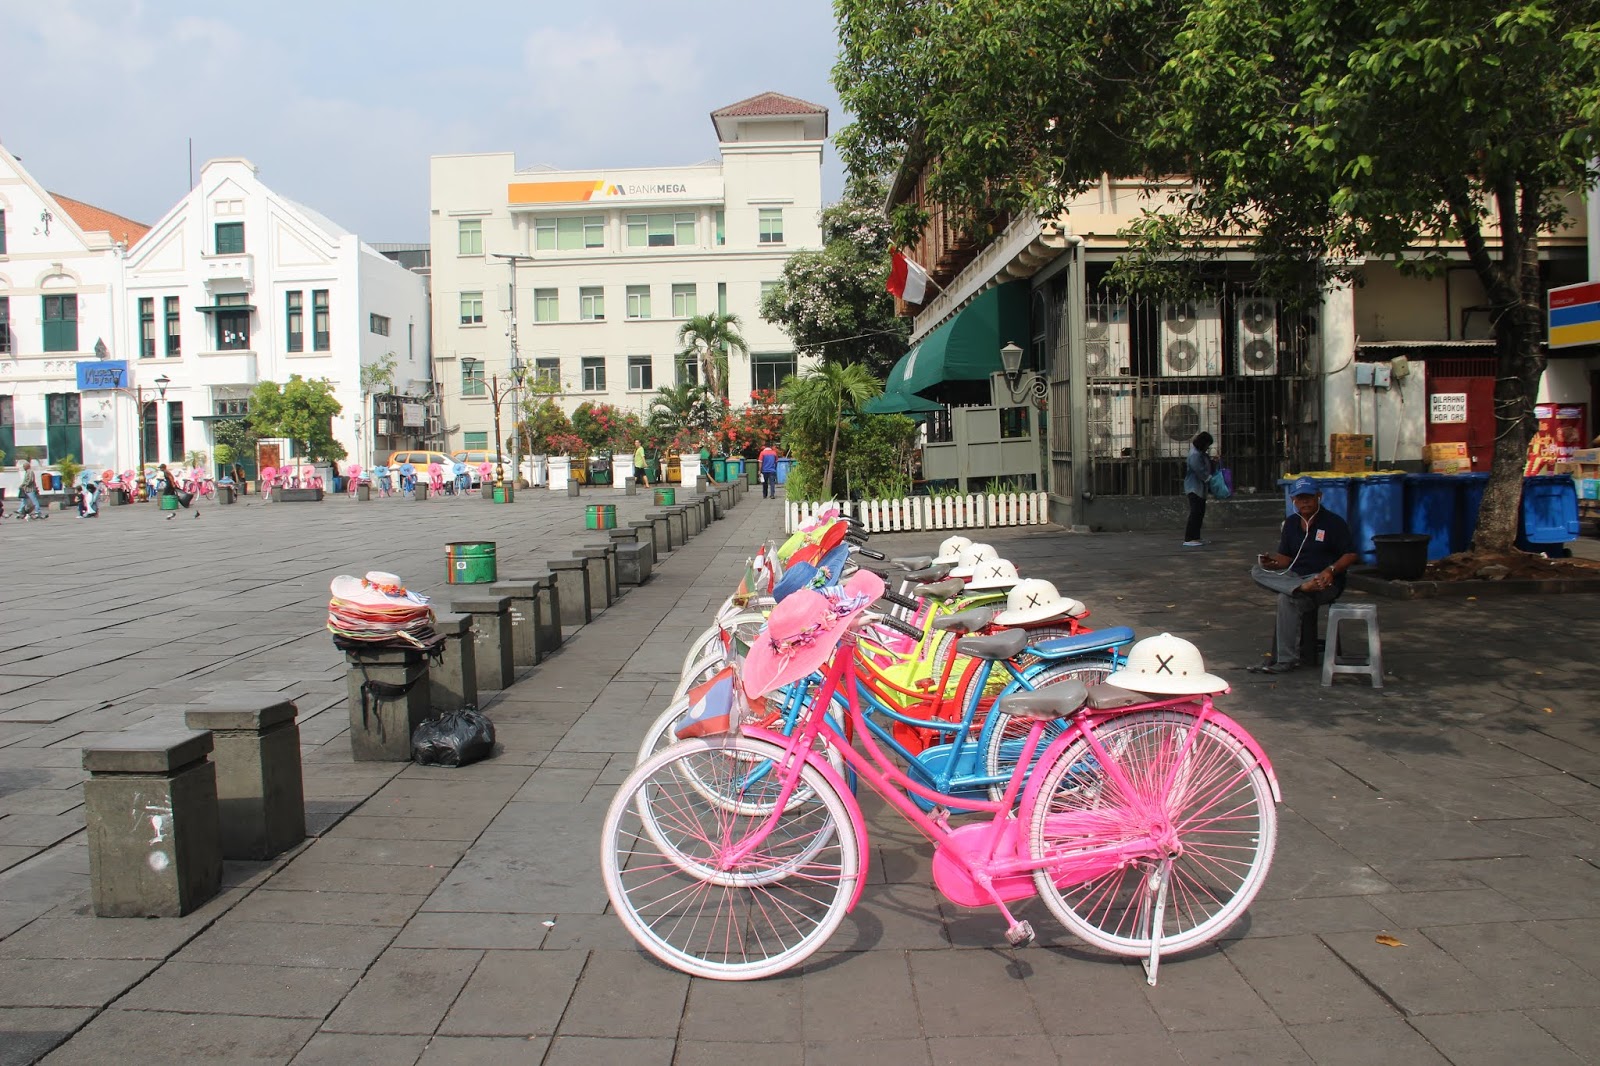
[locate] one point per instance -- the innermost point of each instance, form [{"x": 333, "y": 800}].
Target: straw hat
[
  {"x": 803, "y": 631},
  {"x": 994, "y": 574},
  {"x": 971, "y": 556},
  {"x": 1167, "y": 666},
  {"x": 1036, "y": 600},
  {"x": 950, "y": 550},
  {"x": 377, "y": 589}
]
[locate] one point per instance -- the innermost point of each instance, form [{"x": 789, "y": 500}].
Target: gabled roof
[
  {"x": 768, "y": 103},
  {"x": 93, "y": 219},
  {"x": 730, "y": 121}
]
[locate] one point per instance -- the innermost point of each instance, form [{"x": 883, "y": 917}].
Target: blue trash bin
[
  {"x": 1380, "y": 508},
  {"x": 1430, "y": 501},
  {"x": 783, "y": 470},
  {"x": 1471, "y": 487},
  {"x": 1336, "y": 496},
  {"x": 1549, "y": 514}
]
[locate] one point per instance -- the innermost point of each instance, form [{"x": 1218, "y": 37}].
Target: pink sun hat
[{"x": 803, "y": 630}]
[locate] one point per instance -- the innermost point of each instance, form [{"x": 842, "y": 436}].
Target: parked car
[
  {"x": 476, "y": 457},
  {"x": 420, "y": 459}
]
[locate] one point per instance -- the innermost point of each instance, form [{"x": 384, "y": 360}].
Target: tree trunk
[
  {"x": 1520, "y": 365},
  {"x": 833, "y": 450}
]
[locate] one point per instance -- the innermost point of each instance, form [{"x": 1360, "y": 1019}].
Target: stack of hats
[{"x": 377, "y": 609}]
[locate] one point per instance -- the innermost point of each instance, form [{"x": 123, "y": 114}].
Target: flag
[
  {"x": 711, "y": 708},
  {"x": 907, "y": 280}
]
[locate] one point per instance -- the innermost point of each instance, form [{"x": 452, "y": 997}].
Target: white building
[
  {"x": 609, "y": 264},
  {"x": 238, "y": 284},
  {"x": 60, "y": 298}
]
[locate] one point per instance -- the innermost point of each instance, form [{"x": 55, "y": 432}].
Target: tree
[
  {"x": 1316, "y": 132},
  {"x": 821, "y": 402},
  {"x": 299, "y": 411},
  {"x": 705, "y": 342},
  {"x": 832, "y": 302},
  {"x": 684, "y": 416},
  {"x": 378, "y": 375},
  {"x": 542, "y": 420}
]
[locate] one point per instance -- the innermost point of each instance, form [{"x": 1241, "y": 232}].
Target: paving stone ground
[{"x": 444, "y": 916}]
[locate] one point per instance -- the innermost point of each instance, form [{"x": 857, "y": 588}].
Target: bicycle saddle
[
  {"x": 997, "y": 646},
  {"x": 1110, "y": 697},
  {"x": 936, "y": 572},
  {"x": 1046, "y": 704},
  {"x": 968, "y": 621},
  {"x": 913, "y": 562},
  {"x": 942, "y": 591}
]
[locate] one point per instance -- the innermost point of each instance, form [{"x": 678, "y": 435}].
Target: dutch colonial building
[{"x": 598, "y": 269}]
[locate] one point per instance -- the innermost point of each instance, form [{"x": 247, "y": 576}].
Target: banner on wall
[{"x": 1560, "y": 434}]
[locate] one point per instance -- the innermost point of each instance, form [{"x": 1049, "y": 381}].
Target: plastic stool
[{"x": 1353, "y": 612}]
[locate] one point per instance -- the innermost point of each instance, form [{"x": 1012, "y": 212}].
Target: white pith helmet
[
  {"x": 971, "y": 556},
  {"x": 1168, "y": 666},
  {"x": 993, "y": 574},
  {"x": 950, "y": 549},
  {"x": 1036, "y": 600}
]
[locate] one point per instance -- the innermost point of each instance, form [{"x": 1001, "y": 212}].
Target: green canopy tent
[
  {"x": 966, "y": 348},
  {"x": 898, "y": 403}
]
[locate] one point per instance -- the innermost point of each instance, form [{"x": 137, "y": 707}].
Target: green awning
[
  {"x": 898, "y": 403},
  {"x": 966, "y": 348},
  {"x": 210, "y": 309}
]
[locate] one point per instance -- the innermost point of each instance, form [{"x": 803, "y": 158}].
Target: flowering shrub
[{"x": 566, "y": 444}]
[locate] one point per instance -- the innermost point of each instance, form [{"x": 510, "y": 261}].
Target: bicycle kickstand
[{"x": 1158, "y": 881}]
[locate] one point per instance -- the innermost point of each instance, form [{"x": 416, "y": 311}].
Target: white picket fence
[{"x": 918, "y": 513}]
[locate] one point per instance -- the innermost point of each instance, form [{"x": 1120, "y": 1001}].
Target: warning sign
[{"x": 1447, "y": 407}]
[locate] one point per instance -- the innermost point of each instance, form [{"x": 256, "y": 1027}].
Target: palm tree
[
  {"x": 686, "y": 406},
  {"x": 820, "y": 400},
  {"x": 706, "y": 341}
]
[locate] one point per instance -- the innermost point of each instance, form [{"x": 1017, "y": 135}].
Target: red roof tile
[
  {"x": 93, "y": 219},
  {"x": 769, "y": 104}
]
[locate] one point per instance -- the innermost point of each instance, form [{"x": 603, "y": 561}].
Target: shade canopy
[
  {"x": 898, "y": 403},
  {"x": 966, "y": 348}
]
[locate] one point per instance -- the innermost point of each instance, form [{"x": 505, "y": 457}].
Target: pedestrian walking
[
  {"x": 1197, "y": 471},
  {"x": 28, "y": 492},
  {"x": 638, "y": 464},
  {"x": 769, "y": 471}
]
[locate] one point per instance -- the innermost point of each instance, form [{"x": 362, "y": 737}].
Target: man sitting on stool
[{"x": 1314, "y": 551}]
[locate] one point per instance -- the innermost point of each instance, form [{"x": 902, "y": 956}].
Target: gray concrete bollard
[
  {"x": 151, "y": 808},
  {"x": 491, "y": 640},
  {"x": 693, "y": 518},
  {"x": 572, "y": 586},
  {"x": 609, "y": 548},
  {"x": 387, "y": 691},
  {"x": 261, "y": 802},
  {"x": 599, "y": 582},
  {"x": 633, "y": 563},
  {"x": 524, "y": 596},
  {"x": 630, "y": 487},
  {"x": 572, "y": 487},
  {"x": 661, "y": 532},
  {"x": 547, "y": 636},
  {"x": 453, "y": 677}
]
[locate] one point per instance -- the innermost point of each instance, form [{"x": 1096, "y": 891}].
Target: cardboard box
[
  {"x": 1589, "y": 489},
  {"x": 1349, "y": 443},
  {"x": 1450, "y": 466},
  {"x": 1456, "y": 449},
  {"x": 1351, "y": 464},
  {"x": 1586, "y": 455}
]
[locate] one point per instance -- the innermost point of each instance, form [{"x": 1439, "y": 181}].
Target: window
[
  {"x": 5, "y": 330},
  {"x": 175, "y": 450},
  {"x": 722, "y": 228},
  {"x": 174, "y": 328},
  {"x": 1013, "y": 422},
  {"x": 472, "y": 309},
  {"x": 688, "y": 372},
  {"x": 546, "y": 306},
  {"x": 295, "y": 320},
  {"x": 664, "y": 230},
  {"x": 569, "y": 234},
  {"x": 594, "y": 374},
  {"x": 63, "y": 431},
  {"x": 469, "y": 236},
  {"x": 770, "y": 228},
  {"x": 591, "y": 304},
  {"x": 230, "y": 238},
  {"x": 2, "y": 234},
  {"x": 722, "y": 297},
  {"x": 147, "y": 327},
  {"x": 236, "y": 408},
  {"x": 472, "y": 378},
  {"x": 475, "y": 442},
  {"x": 61, "y": 324},
  {"x": 641, "y": 375},
  {"x": 233, "y": 322},
  {"x": 768, "y": 369},
  {"x": 321, "y": 326},
  {"x": 684, "y": 301},
  {"x": 149, "y": 442},
  {"x": 378, "y": 324},
  {"x": 638, "y": 301},
  {"x": 547, "y": 371}
]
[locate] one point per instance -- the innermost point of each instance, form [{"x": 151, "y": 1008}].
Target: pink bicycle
[
  {"x": 1147, "y": 825},
  {"x": 199, "y": 483}
]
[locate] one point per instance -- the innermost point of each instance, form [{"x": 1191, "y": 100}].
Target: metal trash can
[
  {"x": 719, "y": 469},
  {"x": 169, "y": 502},
  {"x": 470, "y": 562},
  {"x": 600, "y": 516},
  {"x": 666, "y": 497}
]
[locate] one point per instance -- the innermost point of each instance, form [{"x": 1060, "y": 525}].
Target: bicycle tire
[
  {"x": 1006, "y": 734},
  {"x": 1220, "y": 804},
  {"x": 744, "y": 923}
]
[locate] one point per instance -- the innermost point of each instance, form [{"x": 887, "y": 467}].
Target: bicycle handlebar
[
  {"x": 900, "y": 627},
  {"x": 908, "y": 602},
  {"x": 869, "y": 553}
]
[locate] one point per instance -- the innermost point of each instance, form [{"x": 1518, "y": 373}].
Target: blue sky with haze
[{"x": 340, "y": 103}]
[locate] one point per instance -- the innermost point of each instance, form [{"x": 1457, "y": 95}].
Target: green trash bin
[
  {"x": 666, "y": 497},
  {"x": 719, "y": 469},
  {"x": 752, "y": 472},
  {"x": 169, "y": 502},
  {"x": 470, "y": 562}
]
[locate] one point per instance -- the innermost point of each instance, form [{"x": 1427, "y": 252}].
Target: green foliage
[
  {"x": 706, "y": 340},
  {"x": 876, "y": 456},
  {"x": 683, "y": 418},
  {"x": 69, "y": 468},
  {"x": 224, "y": 454},
  {"x": 832, "y": 302},
  {"x": 378, "y": 376},
  {"x": 823, "y": 404},
  {"x": 36, "y": 452},
  {"x": 195, "y": 458},
  {"x": 300, "y": 411},
  {"x": 544, "y": 419},
  {"x": 234, "y": 434}
]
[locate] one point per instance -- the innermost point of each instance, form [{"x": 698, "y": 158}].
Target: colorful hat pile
[{"x": 377, "y": 609}]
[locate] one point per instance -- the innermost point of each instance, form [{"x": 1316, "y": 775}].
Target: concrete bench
[
  {"x": 634, "y": 563},
  {"x": 286, "y": 495},
  {"x": 261, "y": 804},
  {"x": 150, "y": 805},
  {"x": 453, "y": 677},
  {"x": 492, "y": 648}
]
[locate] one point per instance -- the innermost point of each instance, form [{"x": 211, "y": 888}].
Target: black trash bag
[{"x": 455, "y": 738}]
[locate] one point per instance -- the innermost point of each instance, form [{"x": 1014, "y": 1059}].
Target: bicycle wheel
[
  {"x": 701, "y": 913},
  {"x": 1006, "y": 734},
  {"x": 1212, "y": 793}
]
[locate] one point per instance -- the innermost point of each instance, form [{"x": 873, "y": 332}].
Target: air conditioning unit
[
  {"x": 1110, "y": 422},
  {"x": 1179, "y": 418},
  {"x": 1256, "y": 344},
  {"x": 1191, "y": 339},
  {"x": 383, "y": 427},
  {"x": 1106, "y": 340}
]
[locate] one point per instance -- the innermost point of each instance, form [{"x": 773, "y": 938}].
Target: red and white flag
[{"x": 907, "y": 280}]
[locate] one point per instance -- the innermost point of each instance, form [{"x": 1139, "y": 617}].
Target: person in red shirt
[{"x": 769, "y": 471}]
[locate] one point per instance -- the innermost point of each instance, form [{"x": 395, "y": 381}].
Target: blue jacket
[
  {"x": 1196, "y": 471},
  {"x": 769, "y": 461}
]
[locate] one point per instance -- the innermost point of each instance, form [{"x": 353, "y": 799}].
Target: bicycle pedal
[{"x": 1021, "y": 934}]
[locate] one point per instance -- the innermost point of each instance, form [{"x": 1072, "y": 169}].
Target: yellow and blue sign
[
  {"x": 102, "y": 374},
  {"x": 1575, "y": 314}
]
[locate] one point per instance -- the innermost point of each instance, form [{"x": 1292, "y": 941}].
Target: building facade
[{"x": 586, "y": 276}]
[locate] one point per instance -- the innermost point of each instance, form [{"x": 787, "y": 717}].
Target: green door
[{"x": 63, "y": 432}]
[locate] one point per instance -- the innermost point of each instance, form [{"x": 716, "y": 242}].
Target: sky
[{"x": 339, "y": 103}]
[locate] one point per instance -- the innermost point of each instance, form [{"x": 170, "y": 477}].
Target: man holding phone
[{"x": 1307, "y": 570}]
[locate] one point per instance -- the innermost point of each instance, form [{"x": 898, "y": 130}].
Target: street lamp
[
  {"x": 499, "y": 460},
  {"x": 519, "y": 371},
  {"x": 1011, "y": 360},
  {"x": 137, "y": 392}
]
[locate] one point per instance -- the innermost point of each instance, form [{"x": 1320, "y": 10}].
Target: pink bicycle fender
[{"x": 826, "y": 769}]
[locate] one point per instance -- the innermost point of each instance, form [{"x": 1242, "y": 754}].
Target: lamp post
[
  {"x": 137, "y": 392},
  {"x": 499, "y": 460},
  {"x": 1011, "y": 361},
  {"x": 519, "y": 371}
]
